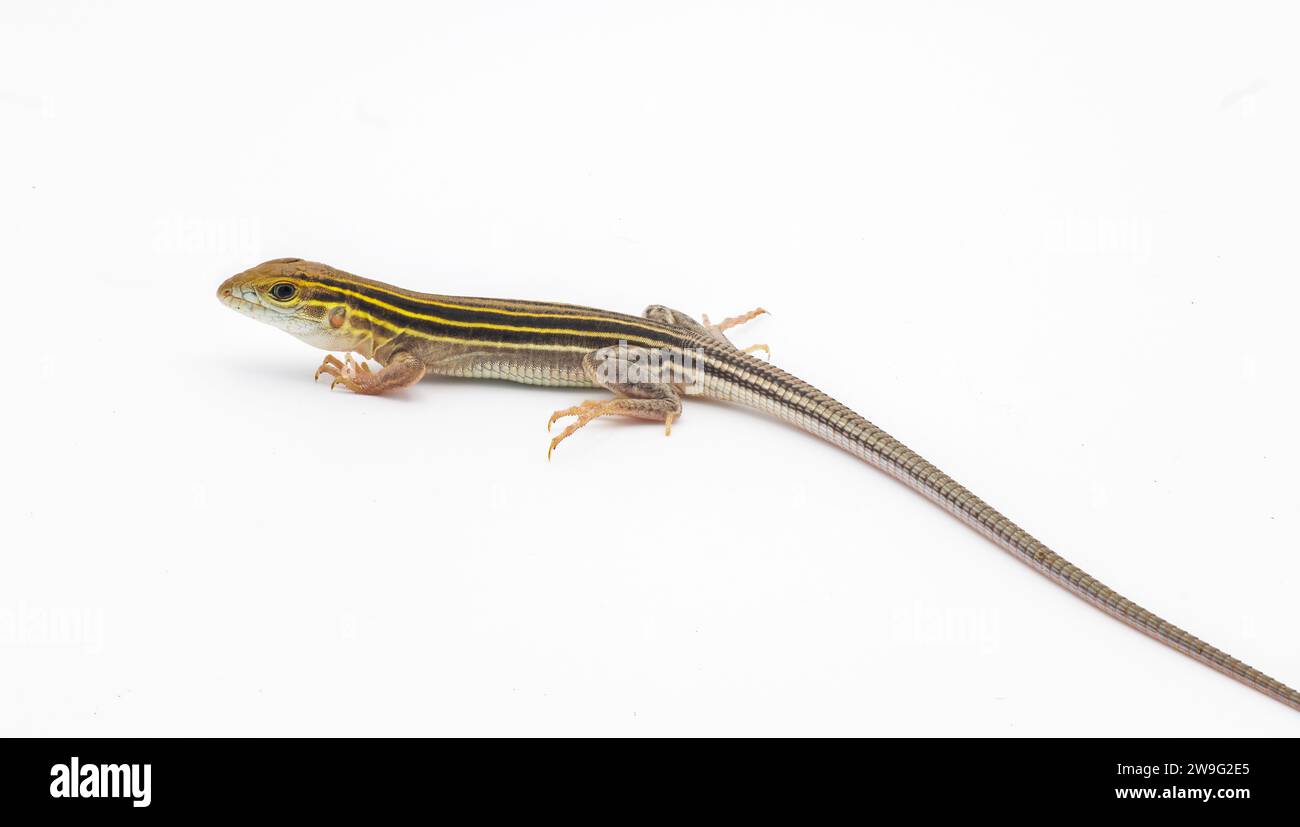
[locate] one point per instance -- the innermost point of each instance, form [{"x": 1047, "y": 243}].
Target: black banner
[{"x": 132, "y": 778}]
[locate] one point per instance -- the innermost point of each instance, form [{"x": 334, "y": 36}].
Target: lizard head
[{"x": 296, "y": 296}]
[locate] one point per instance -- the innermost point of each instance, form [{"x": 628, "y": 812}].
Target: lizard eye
[{"x": 283, "y": 291}]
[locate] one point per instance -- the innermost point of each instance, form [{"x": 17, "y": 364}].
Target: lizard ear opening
[{"x": 337, "y": 316}]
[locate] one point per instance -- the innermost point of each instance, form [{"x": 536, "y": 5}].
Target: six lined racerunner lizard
[{"x": 648, "y": 362}]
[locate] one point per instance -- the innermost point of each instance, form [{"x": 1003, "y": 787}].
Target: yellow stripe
[
  {"x": 398, "y": 331},
  {"x": 709, "y": 359},
  {"x": 481, "y": 325},
  {"x": 450, "y": 306}
]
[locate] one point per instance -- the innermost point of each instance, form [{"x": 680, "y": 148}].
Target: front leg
[
  {"x": 403, "y": 369},
  {"x": 643, "y": 391}
]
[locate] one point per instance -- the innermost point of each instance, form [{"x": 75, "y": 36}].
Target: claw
[
  {"x": 657, "y": 409},
  {"x": 329, "y": 362},
  {"x": 717, "y": 330},
  {"x": 345, "y": 373},
  {"x": 576, "y": 410},
  {"x": 401, "y": 370},
  {"x": 586, "y": 412},
  {"x": 566, "y": 433}
]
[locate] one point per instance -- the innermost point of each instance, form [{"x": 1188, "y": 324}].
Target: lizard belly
[{"x": 530, "y": 367}]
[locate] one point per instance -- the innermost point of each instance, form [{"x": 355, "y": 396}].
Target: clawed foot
[
  {"x": 734, "y": 321},
  {"x": 592, "y": 409},
  {"x": 576, "y": 410},
  {"x": 587, "y": 411},
  {"x": 718, "y": 330},
  {"x": 353, "y": 375}
]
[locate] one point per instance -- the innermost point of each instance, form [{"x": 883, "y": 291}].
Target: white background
[{"x": 1053, "y": 250}]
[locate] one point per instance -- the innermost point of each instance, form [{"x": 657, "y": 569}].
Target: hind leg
[
  {"x": 666, "y": 315},
  {"x": 641, "y": 392}
]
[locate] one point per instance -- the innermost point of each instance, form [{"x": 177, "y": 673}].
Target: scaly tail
[{"x": 747, "y": 381}]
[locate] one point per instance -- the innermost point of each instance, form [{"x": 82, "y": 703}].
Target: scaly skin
[{"x": 649, "y": 362}]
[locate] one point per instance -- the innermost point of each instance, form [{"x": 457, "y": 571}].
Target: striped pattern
[
  {"x": 818, "y": 414},
  {"x": 523, "y": 331},
  {"x": 543, "y": 343}
]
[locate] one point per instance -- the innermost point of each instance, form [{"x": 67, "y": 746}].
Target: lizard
[{"x": 648, "y": 363}]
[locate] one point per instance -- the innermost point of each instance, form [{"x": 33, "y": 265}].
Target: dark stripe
[
  {"x": 607, "y": 333},
  {"x": 612, "y": 328},
  {"x": 794, "y": 394},
  {"x": 484, "y": 313}
]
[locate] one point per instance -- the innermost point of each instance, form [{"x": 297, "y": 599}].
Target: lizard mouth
[
  {"x": 235, "y": 301},
  {"x": 246, "y": 301},
  {"x": 243, "y": 300}
]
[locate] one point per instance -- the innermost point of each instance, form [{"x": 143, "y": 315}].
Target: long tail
[{"x": 756, "y": 384}]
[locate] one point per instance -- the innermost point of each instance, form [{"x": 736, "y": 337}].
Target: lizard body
[{"x": 649, "y": 362}]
